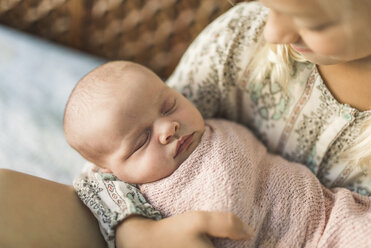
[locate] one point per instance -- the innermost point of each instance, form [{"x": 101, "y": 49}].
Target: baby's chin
[
  {"x": 179, "y": 159},
  {"x": 150, "y": 178}
]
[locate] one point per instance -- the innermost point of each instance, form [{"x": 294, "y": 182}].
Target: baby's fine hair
[{"x": 94, "y": 88}]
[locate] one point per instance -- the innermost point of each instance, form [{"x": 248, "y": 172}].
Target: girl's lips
[
  {"x": 183, "y": 144},
  {"x": 300, "y": 49}
]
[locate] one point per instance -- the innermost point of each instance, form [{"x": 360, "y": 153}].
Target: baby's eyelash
[
  {"x": 148, "y": 132},
  {"x": 167, "y": 111}
]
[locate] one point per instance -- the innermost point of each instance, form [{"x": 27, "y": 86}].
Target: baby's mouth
[{"x": 183, "y": 144}]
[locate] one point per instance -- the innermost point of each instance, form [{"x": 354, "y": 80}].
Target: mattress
[{"x": 36, "y": 78}]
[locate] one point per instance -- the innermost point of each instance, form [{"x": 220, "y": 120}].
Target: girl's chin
[{"x": 321, "y": 60}]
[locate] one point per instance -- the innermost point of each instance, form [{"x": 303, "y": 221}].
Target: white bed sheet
[{"x": 36, "y": 78}]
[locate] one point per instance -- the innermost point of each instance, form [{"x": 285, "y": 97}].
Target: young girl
[{"x": 298, "y": 74}]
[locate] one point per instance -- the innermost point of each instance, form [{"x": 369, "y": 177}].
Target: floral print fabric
[{"x": 111, "y": 200}]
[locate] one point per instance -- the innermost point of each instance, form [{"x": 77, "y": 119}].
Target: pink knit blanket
[{"x": 283, "y": 201}]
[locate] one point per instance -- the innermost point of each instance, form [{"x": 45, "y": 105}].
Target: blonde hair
[
  {"x": 276, "y": 62},
  {"x": 359, "y": 154}
]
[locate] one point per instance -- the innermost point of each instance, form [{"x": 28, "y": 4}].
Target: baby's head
[{"x": 126, "y": 120}]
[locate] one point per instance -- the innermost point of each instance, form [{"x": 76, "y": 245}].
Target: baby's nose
[{"x": 168, "y": 131}]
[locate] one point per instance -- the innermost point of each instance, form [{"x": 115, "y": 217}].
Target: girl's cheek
[{"x": 325, "y": 45}]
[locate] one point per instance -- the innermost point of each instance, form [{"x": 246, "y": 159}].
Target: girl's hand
[{"x": 191, "y": 229}]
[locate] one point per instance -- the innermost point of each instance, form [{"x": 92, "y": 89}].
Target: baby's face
[{"x": 146, "y": 128}]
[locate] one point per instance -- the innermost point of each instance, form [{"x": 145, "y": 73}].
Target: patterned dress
[{"x": 304, "y": 123}]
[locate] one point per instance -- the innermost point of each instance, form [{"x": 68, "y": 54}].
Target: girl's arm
[
  {"x": 35, "y": 212},
  {"x": 191, "y": 229}
]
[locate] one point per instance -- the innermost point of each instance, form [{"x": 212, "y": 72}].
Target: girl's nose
[
  {"x": 280, "y": 29},
  {"x": 167, "y": 130}
]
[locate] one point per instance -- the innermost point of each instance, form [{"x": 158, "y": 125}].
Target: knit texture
[{"x": 284, "y": 202}]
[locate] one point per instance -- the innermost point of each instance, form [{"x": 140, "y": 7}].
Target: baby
[{"x": 125, "y": 120}]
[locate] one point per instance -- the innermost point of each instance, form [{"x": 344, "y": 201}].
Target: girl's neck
[{"x": 349, "y": 83}]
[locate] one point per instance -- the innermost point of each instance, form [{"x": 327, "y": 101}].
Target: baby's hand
[{"x": 192, "y": 229}]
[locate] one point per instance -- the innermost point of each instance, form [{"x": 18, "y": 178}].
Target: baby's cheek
[{"x": 151, "y": 166}]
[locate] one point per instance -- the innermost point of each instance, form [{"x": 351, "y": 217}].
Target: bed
[{"x": 36, "y": 77}]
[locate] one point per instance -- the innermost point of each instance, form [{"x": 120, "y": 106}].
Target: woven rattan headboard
[{"x": 151, "y": 32}]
